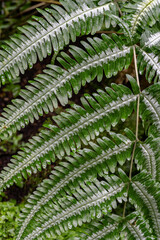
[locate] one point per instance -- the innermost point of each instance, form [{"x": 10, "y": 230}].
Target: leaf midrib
[
  {"x": 103, "y": 232},
  {"x": 75, "y": 173},
  {"x": 152, "y": 164},
  {"x": 69, "y": 211},
  {"x": 46, "y": 92},
  {"x": 48, "y": 33},
  {"x": 156, "y": 36},
  {"x": 152, "y": 59},
  {"x": 151, "y": 205},
  {"x": 138, "y": 15},
  {"x": 130, "y": 225},
  {"x": 154, "y": 109},
  {"x": 47, "y": 144}
]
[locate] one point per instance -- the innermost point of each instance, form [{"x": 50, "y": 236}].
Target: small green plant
[
  {"x": 9, "y": 214},
  {"x": 106, "y": 184}
]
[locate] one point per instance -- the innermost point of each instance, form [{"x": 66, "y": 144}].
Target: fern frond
[
  {"x": 104, "y": 228},
  {"x": 75, "y": 126},
  {"x": 92, "y": 200},
  {"x": 75, "y": 171},
  {"x": 144, "y": 12},
  {"x": 53, "y": 30},
  {"x": 108, "y": 232},
  {"x": 150, "y": 63},
  {"x": 144, "y": 192},
  {"x": 151, "y": 38},
  {"x": 111, "y": 227},
  {"x": 124, "y": 26},
  {"x": 148, "y": 157},
  {"x": 137, "y": 228},
  {"x": 104, "y": 185},
  {"x": 133, "y": 227},
  {"x": 150, "y": 109},
  {"x": 57, "y": 83}
]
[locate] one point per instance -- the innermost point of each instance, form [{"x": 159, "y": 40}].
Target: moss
[{"x": 9, "y": 213}]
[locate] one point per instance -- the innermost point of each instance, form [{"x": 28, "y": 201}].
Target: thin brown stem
[
  {"x": 120, "y": 12},
  {"x": 31, "y": 8},
  {"x": 135, "y": 64},
  {"x": 109, "y": 32},
  {"x": 137, "y": 127},
  {"x": 47, "y": 1}
]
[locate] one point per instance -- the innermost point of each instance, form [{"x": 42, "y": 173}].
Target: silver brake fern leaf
[
  {"x": 148, "y": 61},
  {"x": 85, "y": 201},
  {"x": 147, "y": 157},
  {"x": 105, "y": 228},
  {"x": 144, "y": 13},
  {"x": 110, "y": 227},
  {"x": 150, "y": 109},
  {"x": 51, "y": 31},
  {"x": 108, "y": 55},
  {"x": 76, "y": 126},
  {"x": 136, "y": 228},
  {"x": 151, "y": 37},
  {"x": 124, "y": 26},
  {"x": 148, "y": 55},
  {"x": 74, "y": 171},
  {"x": 105, "y": 180},
  {"x": 144, "y": 193}
]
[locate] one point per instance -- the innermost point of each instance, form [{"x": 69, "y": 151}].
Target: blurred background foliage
[{"x": 14, "y": 13}]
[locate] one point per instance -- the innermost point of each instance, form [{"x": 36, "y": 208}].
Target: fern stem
[
  {"x": 137, "y": 117},
  {"x": 110, "y": 32},
  {"x": 120, "y": 12},
  {"x": 135, "y": 65},
  {"x": 47, "y": 1},
  {"x": 137, "y": 127}
]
